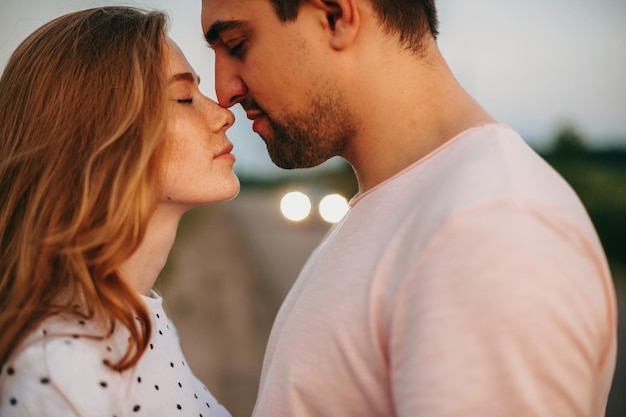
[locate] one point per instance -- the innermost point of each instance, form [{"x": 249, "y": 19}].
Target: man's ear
[{"x": 343, "y": 21}]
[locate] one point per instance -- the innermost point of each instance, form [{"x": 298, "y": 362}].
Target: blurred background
[{"x": 554, "y": 70}]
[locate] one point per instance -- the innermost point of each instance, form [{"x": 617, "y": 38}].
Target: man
[{"x": 467, "y": 278}]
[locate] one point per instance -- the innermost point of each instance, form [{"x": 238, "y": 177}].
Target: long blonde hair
[{"x": 82, "y": 104}]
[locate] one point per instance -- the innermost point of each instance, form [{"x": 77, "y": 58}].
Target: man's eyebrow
[
  {"x": 220, "y": 26},
  {"x": 184, "y": 76}
]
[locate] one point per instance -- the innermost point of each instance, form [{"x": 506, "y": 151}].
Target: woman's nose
[{"x": 220, "y": 118}]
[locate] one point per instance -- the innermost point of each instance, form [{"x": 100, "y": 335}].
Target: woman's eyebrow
[
  {"x": 184, "y": 76},
  {"x": 219, "y": 26}
]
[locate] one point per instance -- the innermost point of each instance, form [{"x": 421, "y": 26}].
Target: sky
[{"x": 536, "y": 65}]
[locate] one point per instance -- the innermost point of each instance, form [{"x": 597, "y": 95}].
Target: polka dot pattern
[{"x": 58, "y": 361}]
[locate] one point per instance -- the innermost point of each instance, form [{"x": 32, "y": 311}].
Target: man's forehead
[{"x": 224, "y": 10}]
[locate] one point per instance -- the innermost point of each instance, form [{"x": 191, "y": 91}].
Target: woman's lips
[{"x": 225, "y": 152}]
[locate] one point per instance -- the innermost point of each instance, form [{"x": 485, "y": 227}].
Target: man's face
[{"x": 278, "y": 72}]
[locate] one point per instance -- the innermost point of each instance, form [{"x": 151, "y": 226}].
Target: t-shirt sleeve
[
  {"x": 60, "y": 377},
  {"x": 506, "y": 313}
]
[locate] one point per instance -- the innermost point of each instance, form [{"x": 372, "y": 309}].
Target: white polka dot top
[{"x": 59, "y": 372}]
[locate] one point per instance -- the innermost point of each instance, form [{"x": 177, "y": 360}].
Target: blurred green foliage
[{"x": 599, "y": 178}]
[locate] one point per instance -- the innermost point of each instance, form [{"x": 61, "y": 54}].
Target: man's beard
[{"x": 307, "y": 139}]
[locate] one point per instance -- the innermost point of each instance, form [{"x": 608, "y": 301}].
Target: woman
[{"x": 105, "y": 141}]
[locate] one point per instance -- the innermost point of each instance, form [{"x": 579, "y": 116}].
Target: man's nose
[{"x": 229, "y": 87}]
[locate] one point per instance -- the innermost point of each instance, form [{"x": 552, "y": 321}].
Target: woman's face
[{"x": 197, "y": 165}]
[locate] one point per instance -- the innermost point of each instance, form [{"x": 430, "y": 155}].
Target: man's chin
[{"x": 289, "y": 162}]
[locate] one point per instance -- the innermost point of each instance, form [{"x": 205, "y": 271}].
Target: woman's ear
[{"x": 343, "y": 21}]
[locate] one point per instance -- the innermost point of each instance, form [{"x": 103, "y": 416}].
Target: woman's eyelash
[{"x": 185, "y": 100}]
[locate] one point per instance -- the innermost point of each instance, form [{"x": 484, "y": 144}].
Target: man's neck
[{"x": 418, "y": 105}]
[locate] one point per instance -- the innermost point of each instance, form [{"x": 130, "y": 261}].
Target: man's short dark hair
[{"x": 409, "y": 19}]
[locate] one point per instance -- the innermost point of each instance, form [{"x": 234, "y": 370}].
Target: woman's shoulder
[
  {"x": 63, "y": 337},
  {"x": 60, "y": 366}
]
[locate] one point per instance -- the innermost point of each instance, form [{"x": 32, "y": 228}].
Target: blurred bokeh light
[
  {"x": 333, "y": 207},
  {"x": 295, "y": 206}
]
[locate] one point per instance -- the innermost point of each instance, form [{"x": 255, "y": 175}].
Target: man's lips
[
  {"x": 253, "y": 114},
  {"x": 256, "y": 116}
]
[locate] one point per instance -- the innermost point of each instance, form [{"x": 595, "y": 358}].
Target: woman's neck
[{"x": 142, "y": 269}]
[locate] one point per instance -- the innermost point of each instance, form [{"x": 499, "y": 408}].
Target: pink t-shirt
[{"x": 470, "y": 284}]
